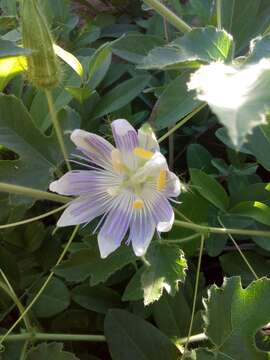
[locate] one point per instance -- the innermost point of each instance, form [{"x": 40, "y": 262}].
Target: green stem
[
  {"x": 46, "y": 282},
  {"x": 34, "y": 193},
  {"x": 82, "y": 337},
  {"x": 219, "y": 13},
  {"x": 17, "y": 303},
  {"x": 195, "y": 296},
  {"x": 168, "y": 15},
  {"x": 181, "y": 122},
  {"x": 214, "y": 230},
  {"x": 52, "y": 337},
  {"x": 36, "y": 218},
  {"x": 241, "y": 253},
  {"x": 57, "y": 127},
  {"x": 180, "y": 241}
]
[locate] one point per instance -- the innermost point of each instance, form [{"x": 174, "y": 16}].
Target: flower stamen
[
  {"x": 117, "y": 160},
  {"x": 142, "y": 153},
  {"x": 161, "y": 181}
]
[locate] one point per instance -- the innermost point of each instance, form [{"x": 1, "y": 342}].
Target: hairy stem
[{"x": 169, "y": 15}]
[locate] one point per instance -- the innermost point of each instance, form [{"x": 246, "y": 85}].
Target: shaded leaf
[
  {"x": 134, "y": 46},
  {"x": 120, "y": 95},
  {"x": 9, "y": 49},
  {"x": 98, "y": 298},
  {"x": 87, "y": 263},
  {"x": 210, "y": 189},
  {"x": 53, "y": 300},
  {"x": 131, "y": 338},
  {"x": 38, "y": 154},
  {"x": 175, "y": 102},
  {"x": 99, "y": 66},
  {"x": 51, "y": 351}
]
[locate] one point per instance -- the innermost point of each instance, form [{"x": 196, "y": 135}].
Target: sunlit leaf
[
  {"x": 199, "y": 46},
  {"x": 10, "y": 67},
  {"x": 239, "y": 96},
  {"x": 167, "y": 268},
  {"x": 70, "y": 59}
]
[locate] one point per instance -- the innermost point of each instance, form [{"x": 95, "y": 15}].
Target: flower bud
[{"x": 43, "y": 70}]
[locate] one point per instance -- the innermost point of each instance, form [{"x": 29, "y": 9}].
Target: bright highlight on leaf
[
  {"x": 239, "y": 96},
  {"x": 10, "y": 67},
  {"x": 70, "y": 59}
]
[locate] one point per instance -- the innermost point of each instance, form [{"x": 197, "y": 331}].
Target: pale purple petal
[
  {"x": 147, "y": 138},
  {"x": 115, "y": 226},
  {"x": 142, "y": 229},
  {"x": 79, "y": 182},
  {"x": 125, "y": 136},
  {"x": 84, "y": 210},
  {"x": 173, "y": 186},
  {"x": 161, "y": 210},
  {"x": 97, "y": 149}
]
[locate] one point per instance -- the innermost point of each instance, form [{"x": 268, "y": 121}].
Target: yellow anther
[
  {"x": 117, "y": 160},
  {"x": 142, "y": 153},
  {"x": 161, "y": 182},
  {"x": 138, "y": 204}
]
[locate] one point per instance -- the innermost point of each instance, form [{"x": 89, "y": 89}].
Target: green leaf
[
  {"x": 51, "y": 351},
  {"x": 237, "y": 95},
  {"x": 199, "y": 46},
  {"x": 134, "y": 291},
  {"x": 259, "y": 144},
  {"x": 8, "y": 49},
  {"x": 172, "y": 314},
  {"x": 99, "y": 66},
  {"x": 10, "y": 67},
  {"x": 232, "y": 330},
  {"x": 120, "y": 95},
  {"x": 259, "y": 49},
  {"x": 232, "y": 263},
  {"x": 244, "y": 19},
  {"x": 133, "y": 47},
  {"x": 210, "y": 189},
  {"x": 38, "y": 154},
  {"x": 87, "y": 263},
  {"x": 175, "y": 102},
  {"x": 98, "y": 298},
  {"x": 253, "y": 209},
  {"x": 167, "y": 268},
  {"x": 198, "y": 157},
  {"x": 54, "y": 299},
  {"x": 70, "y": 59},
  {"x": 80, "y": 94},
  {"x": 131, "y": 338}
]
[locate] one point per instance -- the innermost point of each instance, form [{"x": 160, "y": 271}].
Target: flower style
[{"x": 129, "y": 185}]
